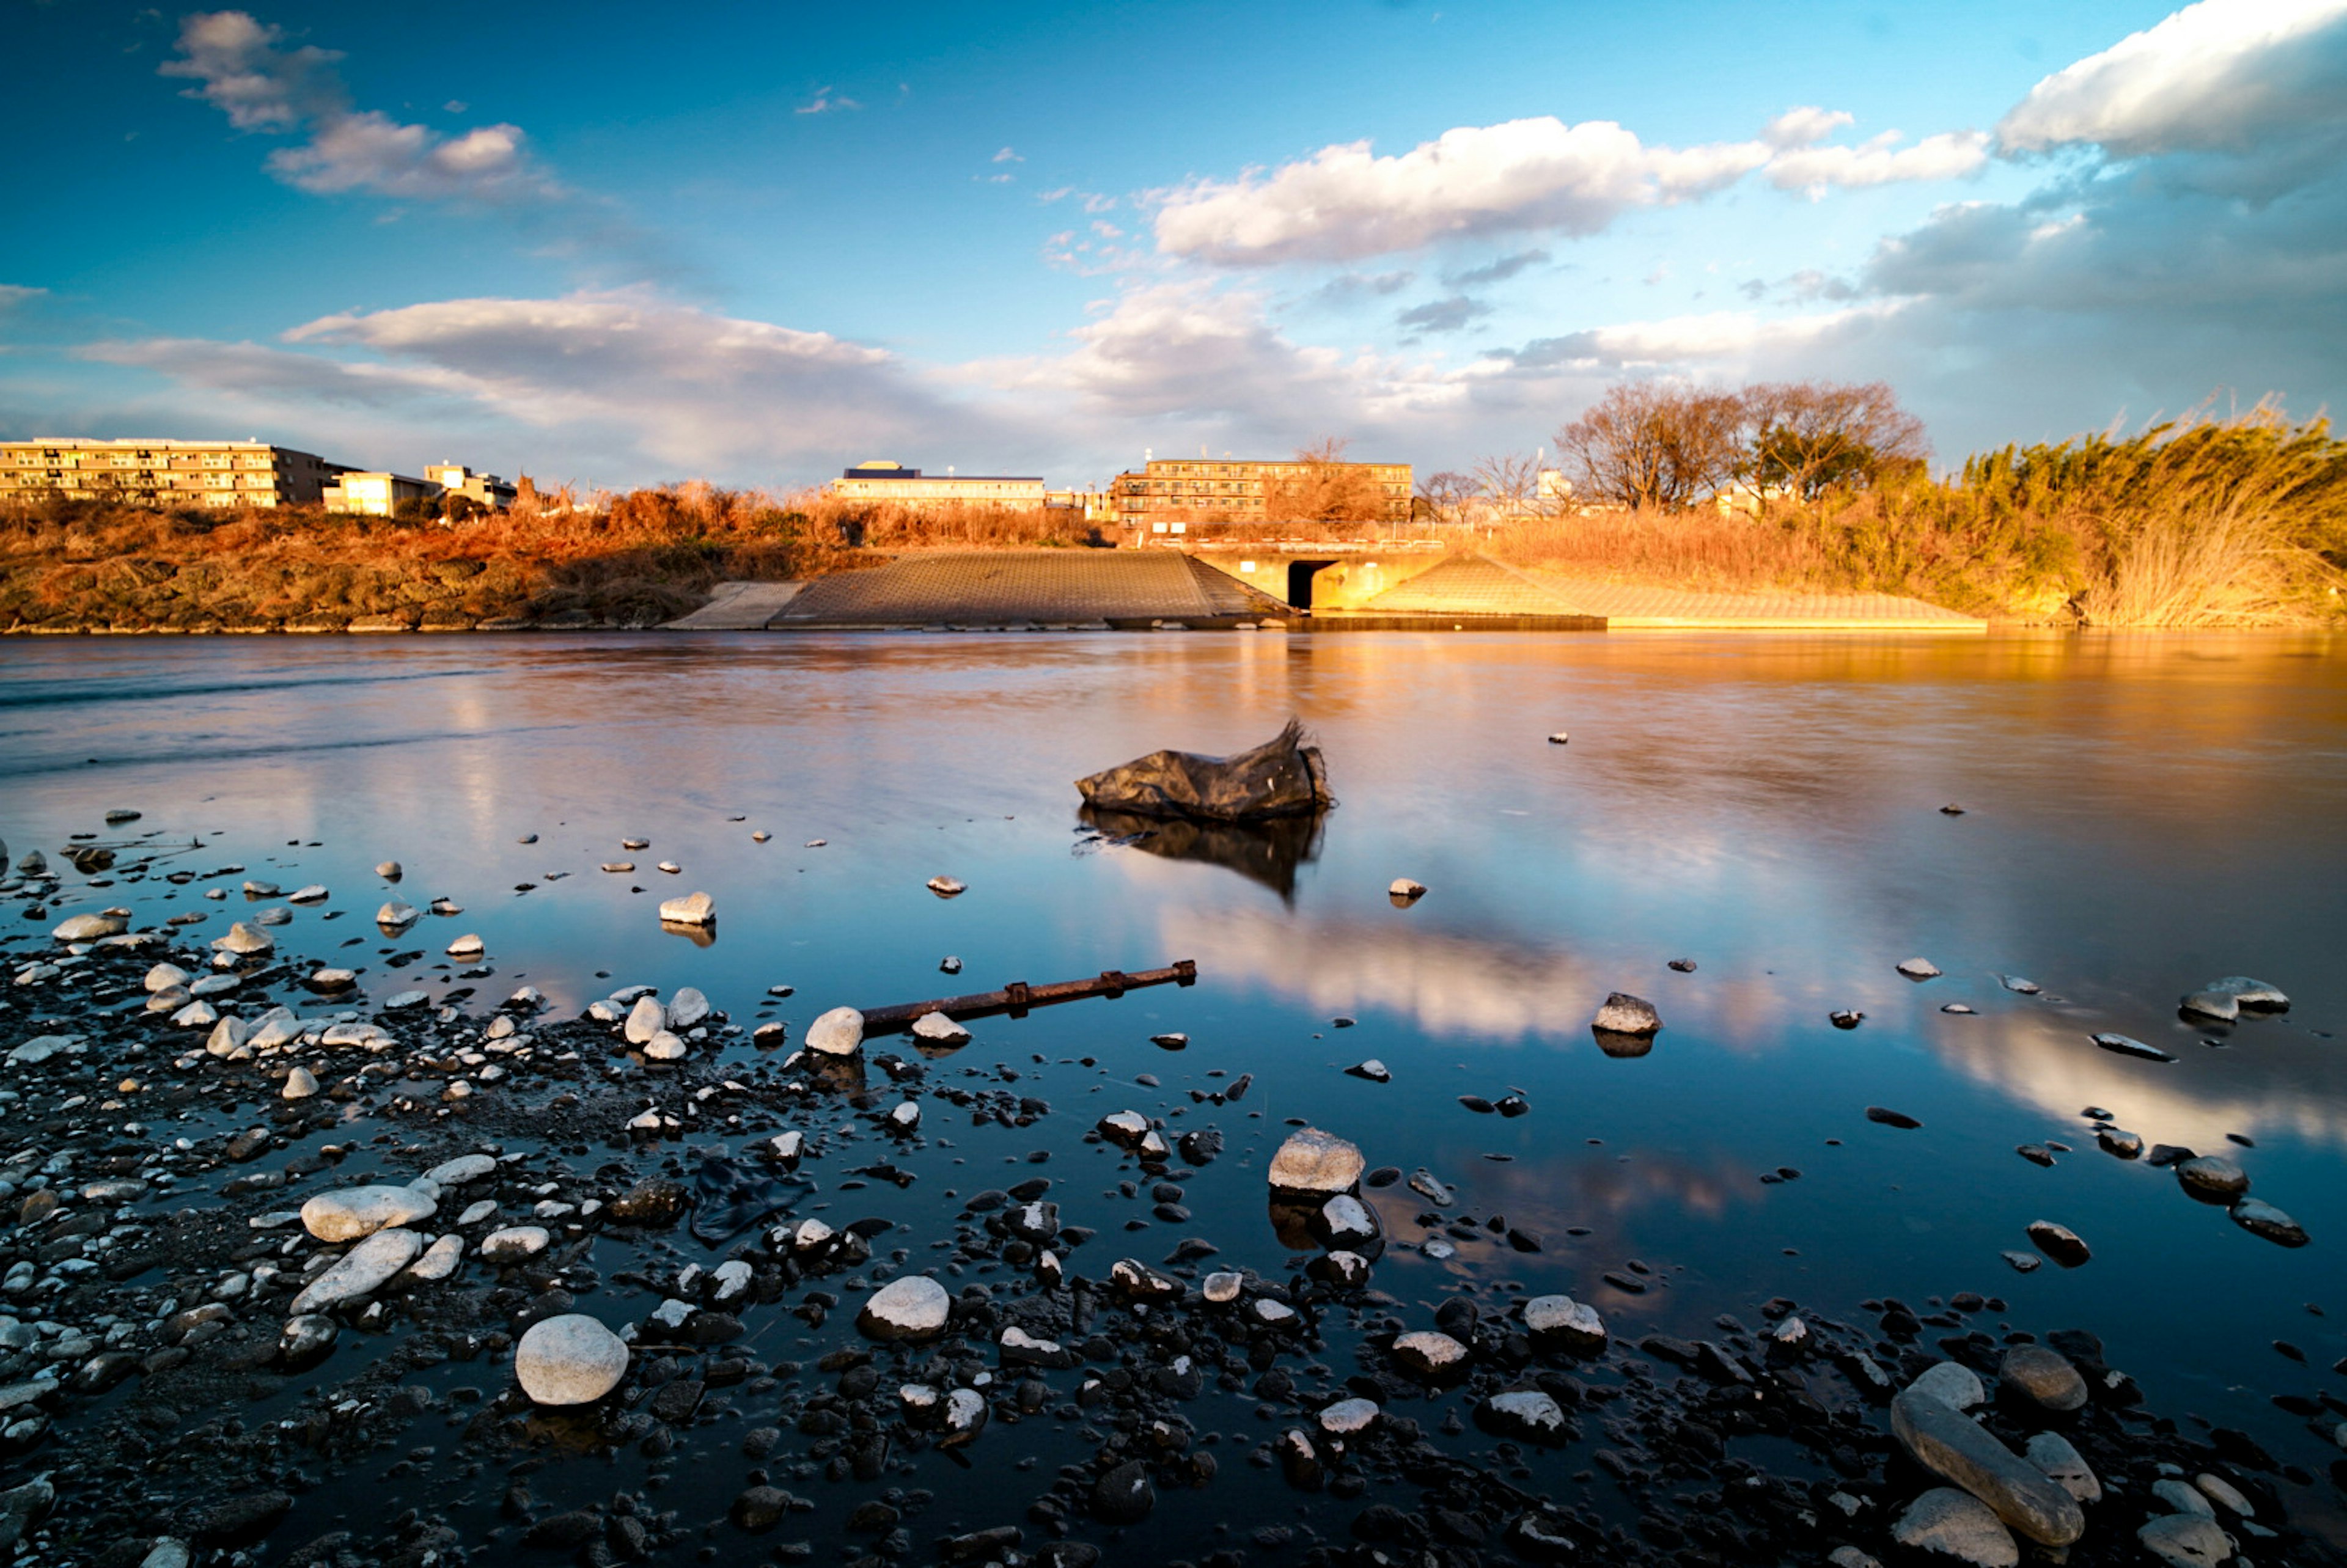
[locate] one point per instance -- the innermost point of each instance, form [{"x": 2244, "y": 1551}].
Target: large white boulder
[
  {"x": 839, "y": 1032},
  {"x": 911, "y": 1307},
  {"x": 1312, "y": 1161},
  {"x": 645, "y": 1020},
  {"x": 354, "y": 1212},
  {"x": 363, "y": 1270},
  {"x": 571, "y": 1359}
]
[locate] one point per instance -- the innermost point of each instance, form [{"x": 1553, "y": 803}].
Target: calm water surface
[{"x": 2141, "y": 814}]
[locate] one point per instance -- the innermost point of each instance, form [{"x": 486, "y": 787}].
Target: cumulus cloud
[
  {"x": 239, "y": 68},
  {"x": 2218, "y": 76},
  {"x": 1741, "y": 338},
  {"x": 1343, "y": 203},
  {"x": 1949, "y": 155}
]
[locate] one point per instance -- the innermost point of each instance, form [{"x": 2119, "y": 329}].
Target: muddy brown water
[{"x": 2140, "y": 815}]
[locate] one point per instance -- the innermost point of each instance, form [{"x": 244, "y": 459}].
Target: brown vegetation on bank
[{"x": 2234, "y": 520}]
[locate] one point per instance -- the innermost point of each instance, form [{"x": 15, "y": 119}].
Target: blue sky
[{"x": 613, "y": 245}]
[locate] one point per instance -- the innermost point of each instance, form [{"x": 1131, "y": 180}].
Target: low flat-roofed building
[
  {"x": 1201, "y": 489},
  {"x": 880, "y": 480},
  {"x": 485, "y": 489},
  {"x": 152, "y": 473},
  {"x": 377, "y": 494}
]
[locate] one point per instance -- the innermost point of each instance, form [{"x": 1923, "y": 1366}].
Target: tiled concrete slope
[
  {"x": 1049, "y": 587},
  {"x": 1477, "y": 585}
]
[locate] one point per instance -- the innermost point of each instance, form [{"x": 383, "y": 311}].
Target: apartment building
[
  {"x": 164, "y": 473},
  {"x": 1200, "y": 489},
  {"x": 485, "y": 489},
  {"x": 884, "y": 481},
  {"x": 375, "y": 494}
]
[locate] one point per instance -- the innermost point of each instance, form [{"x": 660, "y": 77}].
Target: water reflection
[{"x": 1266, "y": 852}]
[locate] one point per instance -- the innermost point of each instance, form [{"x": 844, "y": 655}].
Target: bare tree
[
  {"x": 1443, "y": 497},
  {"x": 1652, "y": 445},
  {"x": 1509, "y": 481},
  {"x": 1327, "y": 488},
  {"x": 1810, "y": 437}
]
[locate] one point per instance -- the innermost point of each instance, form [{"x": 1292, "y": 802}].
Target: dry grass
[{"x": 2240, "y": 520}]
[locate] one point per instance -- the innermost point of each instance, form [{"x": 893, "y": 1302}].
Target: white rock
[
  {"x": 1428, "y": 1354},
  {"x": 389, "y": 870},
  {"x": 1312, "y": 1161},
  {"x": 196, "y": 1015},
  {"x": 41, "y": 1047},
  {"x": 1574, "y": 1322},
  {"x": 89, "y": 927},
  {"x": 1348, "y": 1220},
  {"x": 1222, "y": 1286},
  {"x": 300, "y": 1084},
  {"x": 214, "y": 985},
  {"x": 1919, "y": 968},
  {"x": 692, "y": 909},
  {"x": 645, "y": 1019},
  {"x": 947, "y": 887},
  {"x": 1403, "y": 888},
  {"x": 939, "y": 1030},
  {"x": 1625, "y": 1014},
  {"x": 1957, "y": 1524},
  {"x": 2184, "y": 1540},
  {"x": 1346, "y": 1416},
  {"x": 228, "y": 1037},
  {"x": 665, "y": 1046},
  {"x": 356, "y": 1212},
  {"x": 166, "y": 1552},
  {"x": 469, "y": 946},
  {"x": 839, "y": 1032},
  {"x": 439, "y": 1260},
  {"x": 687, "y": 1008},
  {"x": 462, "y": 1170},
  {"x": 315, "y": 893},
  {"x": 671, "y": 867},
  {"x": 163, "y": 976},
  {"x": 363, "y": 1271},
  {"x": 395, "y": 916},
  {"x": 911, "y": 1307},
  {"x": 2064, "y": 1466},
  {"x": 2224, "y": 1494},
  {"x": 905, "y": 1116},
  {"x": 732, "y": 1280},
  {"x": 275, "y": 1028},
  {"x": 514, "y": 1241},
  {"x": 787, "y": 1147},
  {"x": 479, "y": 1210},
  {"x": 810, "y": 1235},
  {"x": 333, "y": 979},
  {"x": 569, "y": 1360}
]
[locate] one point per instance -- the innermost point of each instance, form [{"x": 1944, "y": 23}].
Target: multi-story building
[
  {"x": 1200, "y": 489},
  {"x": 885, "y": 481},
  {"x": 163, "y": 473}
]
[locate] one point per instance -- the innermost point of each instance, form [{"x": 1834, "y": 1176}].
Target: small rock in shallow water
[
  {"x": 1889, "y": 1118},
  {"x": 2022, "y": 1262},
  {"x": 1919, "y": 968},
  {"x": 1845, "y": 1017},
  {"x": 1625, "y": 1014},
  {"x": 395, "y": 916},
  {"x": 2262, "y": 1218},
  {"x": 692, "y": 909},
  {"x": 300, "y": 1084},
  {"x": 947, "y": 887},
  {"x": 2213, "y": 1176},
  {"x": 1568, "y": 1322},
  {"x": 1525, "y": 1415},
  {"x": 938, "y": 1029},
  {"x": 1373, "y": 1070},
  {"x": 912, "y": 1306},
  {"x": 2043, "y": 1376},
  {"x": 1951, "y": 1384},
  {"x": 570, "y": 1360},
  {"x": 2059, "y": 1243},
  {"x": 1404, "y": 891},
  {"x": 388, "y": 870},
  {"x": 1348, "y": 1417},
  {"x": 363, "y": 1271},
  {"x": 1315, "y": 1162},
  {"x": 2126, "y": 1045}
]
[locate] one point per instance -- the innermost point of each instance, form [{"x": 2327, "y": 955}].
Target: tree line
[{"x": 1656, "y": 445}]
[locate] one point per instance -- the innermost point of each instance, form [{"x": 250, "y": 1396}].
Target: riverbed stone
[
  {"x": 89, "y": 927},
  {"x": 1951, "y": 1384},
  {"x": 2044, "y": 1376},
  {"x": 1525, "y": 1415},
  {"x": 2182, "y": 1498},
  {"x": 2186, "y": 1540},
  {"x": 1952, "y": 1523},
  {"x": 1430, "y": 1354},
  {"x": 2250, "y": 995},
  {"x": 839, "y": 1032},
  {"x": 1348, "y": 1417},
  {"x": 2225, "y": 1495},
  {"x": 514, "y": 1241},
  {"x": 2054, "y": 1454},
  {"x": 913, "y": 1306},
  {"x": 363, "y": 1271},
  {"x": 395, "y": 916},
  {"x": 569, "y": 1359},
  {"x": 354, "y": 1212},
  {"x": 1314, "y": 1162},
  {"x": 1919, "y": 968},
  {"x": 2059, "y": 1241},
  {"x": 937, "y": 1028},
  {"x": 1570, "y": 1323},
  {"x": 462, "y": 1170},
  {"x": 645, "y": 1019},
  {"x": 1949, "y": 1444},
  {"x": 300, "y": 1083}
]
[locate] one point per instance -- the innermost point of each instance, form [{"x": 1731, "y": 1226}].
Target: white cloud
[
  {"x": 15, "y": 294},
  {"x": 240, "y": 69},
  {"x": 1880, "y": 161},
  {"x": 1803, "y": 127},
  {"x": 1007, "y": 156},
  {"x": 2214, "y": 77},
  {"x": 1735, "y": 338},
  {"x": 825, "y": 102},
  {"x": 1343, "y": 203}
]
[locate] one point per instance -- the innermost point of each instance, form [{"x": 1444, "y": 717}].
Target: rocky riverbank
[{"x": 324, "y": 1259}]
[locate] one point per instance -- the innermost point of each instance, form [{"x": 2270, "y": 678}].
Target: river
[{"x": 2138, "y": 815}]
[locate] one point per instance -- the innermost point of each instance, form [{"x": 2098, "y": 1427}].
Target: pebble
[
  {"x": 2126, "y": 1045},
  {"x": 1348, "y": 1417},
  {"x": 2186, "y": 1540},
  {"x": 692, "y": 909},
  {"x": 913, "y": 1306},
  {"x": 363, "y": 1271},
  {"x": 2053, "y": 1453},
  {"x": 938, "y": 1029},
  {"x": 1625, "y": 1014},
  {"x": 395, "y": 916},
  {"x": 1562, "y": 1318},
  {"x": 2044, "y": 1376},
  {"x": 300, "y": 1083},
  {"x": 1373, "y": 1070},
  {"x": 2214, "y": 1175},
  {"x": 1313, "y": 1161},
  {"x": 947, "y": 887},
  {"x": 2262, "y": 1218},
  {"x": 839, "y": 1032},
  {"x": 1919, "y": 968},
  {"x": 1951, "y": 1384},
  {"x": 1949, "y": 1522},
  {"x": 2059, "y": 1243},
  {"x": 514, "y": 1241},
  {"x": 1524, "y": 1414},
  {"x": 1403, "y": 890}
]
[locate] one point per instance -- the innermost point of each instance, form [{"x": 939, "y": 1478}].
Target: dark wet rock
[
  {"x": 1430, "y": 1354},
  {"x": 1383, "y": 1176},
  {"x": 1373, "y": 1070},
  {"x": 1949, "y": 1444},
  {"x": 759, "y": 1509},
  {"x": 1625, "y": 1014},
  {"x": 728, "y": 1198},
  {"x": 2036, "y": 1154},
  {"x": 1846, "y": 1018},
  {"x": 2059, "y": 1243},
  {"x": 980, "y": 1546},
  {"x": 2262, "y": 1218},
  {"x": 1299, "y": 1460},
  {"x": 2114, "y": 1141},
  {"x": 654, "y": 1205},
  {"x": 2184, "y": 1540},
  {"x": 1124, "y": 1495},
  {"x": 2212, "y": 1176},
  {"x": 237, "y": 1521},
  {"x": 1889, "y": 1118},
  {"x": 1524, "y": 1415},
  {"x": 1476, "y": 1103},
  {"x": 2126, "y": 1045}
]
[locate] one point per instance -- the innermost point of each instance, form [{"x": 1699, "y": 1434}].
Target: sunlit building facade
[{"x": 164, "y": 473}]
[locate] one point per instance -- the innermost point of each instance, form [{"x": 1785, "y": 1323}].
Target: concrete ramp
[
  {"x": 739, "y": 607},
  {"x": 1028, "y": 588}
]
